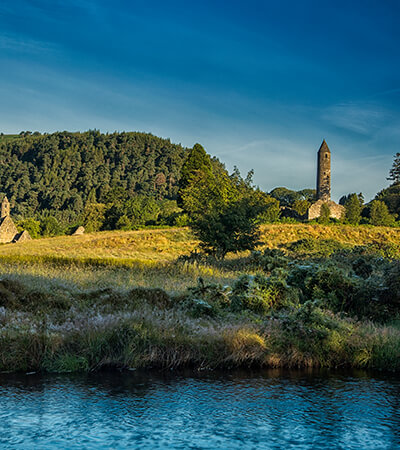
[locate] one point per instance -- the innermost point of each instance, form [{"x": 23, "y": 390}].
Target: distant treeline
[
  {"x": 128, "y": 180},
  {"x": 59, "y": 174}
]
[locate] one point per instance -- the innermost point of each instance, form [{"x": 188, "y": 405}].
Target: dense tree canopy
[
  {"x": 288, "y": 197},
  {"x": 391, "y": 197},
  {"x": 58, "y": 174}
]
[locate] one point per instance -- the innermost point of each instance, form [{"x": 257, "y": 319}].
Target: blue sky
[{"x": 258, "y": 83}]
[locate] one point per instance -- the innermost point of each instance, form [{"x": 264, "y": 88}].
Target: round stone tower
[
  {"x": 5, "y": 208},
  {"x": 324, "y": 173}
]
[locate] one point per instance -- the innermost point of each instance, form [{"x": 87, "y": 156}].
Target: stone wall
[{"x": 337, "y": 211}]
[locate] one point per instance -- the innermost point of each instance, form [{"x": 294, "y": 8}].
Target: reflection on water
[{"x": 269, "y": 409}]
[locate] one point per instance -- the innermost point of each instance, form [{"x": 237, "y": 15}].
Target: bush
[
  {"x": 260, "y": 294},
  {"x": 32, "y": 226},
  {"x": 49, "y": 226},
  {"x": 315, "y": 247}
]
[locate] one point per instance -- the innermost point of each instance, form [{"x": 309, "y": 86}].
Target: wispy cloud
[
  {"x": 25, "y": 45},
  {"x": 359, "y": 118}
]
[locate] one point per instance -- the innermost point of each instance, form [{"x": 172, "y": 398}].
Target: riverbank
[{"x": 147, "y": 328}]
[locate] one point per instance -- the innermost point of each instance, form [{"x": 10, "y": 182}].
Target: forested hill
[{"x": 61, "y": 172}]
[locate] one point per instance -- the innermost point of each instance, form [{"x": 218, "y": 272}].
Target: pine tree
[
  {"x": 198, "y": 163},
  {"x": 394, "y": 174},
  {"x": 353, "y": 209}
]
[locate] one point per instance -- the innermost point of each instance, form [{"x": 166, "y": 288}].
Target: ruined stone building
[
  {"x": 8, "y": 230},
  {"x": 324, "y": 186}
]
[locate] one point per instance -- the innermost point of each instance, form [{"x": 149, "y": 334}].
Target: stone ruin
[
  {"x": 324, "y": 187},
  {"x": 79, "y": 231},
  {"x": 8, "y": 230}
]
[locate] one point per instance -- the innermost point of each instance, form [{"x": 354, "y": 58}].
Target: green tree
[
  {"x": 32, "y": 226},
  {"x": 353, "y": 209},
  {"x": 394, "y": 173},
  {"x": 124, "y": 223},
  {"x": 233, "y": 229},
  {"x": 224, "y": 210},
  {"x": 308, "y": 194},
  {"x": 207, "y": 192},
  {"x": 271, "y": 212},
  {"x": 325, "y": 214},
  {"x": 198, "y": 163},
  {"x": 93, "y": 216},
  {"x": 285, "y": 196},
  {"x": 301, "y": 206},
  {"x": 391, "y": 197},
  {"x": 49, "y": 226},
  {"x": 379, "y": 214}
]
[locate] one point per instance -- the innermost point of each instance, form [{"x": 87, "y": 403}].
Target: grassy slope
[
  {"x": 146, "y": 258},
  {"x": 165, "y": 245},
  {"x": 113, "y": 327}
]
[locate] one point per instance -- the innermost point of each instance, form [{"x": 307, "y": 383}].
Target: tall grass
[{"x": 77, "y": 303}]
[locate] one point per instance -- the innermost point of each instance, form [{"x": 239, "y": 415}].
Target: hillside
[{"x": 57, "y": 173}]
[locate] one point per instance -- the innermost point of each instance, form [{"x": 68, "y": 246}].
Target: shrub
[
  {"x": 379, "y": 214},
  {"x": 315, "y": 247},
  {"x": 259, "y": 293}
]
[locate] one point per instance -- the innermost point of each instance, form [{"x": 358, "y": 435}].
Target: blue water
[{"x": 270, "y": 409}]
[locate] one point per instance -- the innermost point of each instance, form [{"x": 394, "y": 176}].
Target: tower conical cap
[{"x": 324, "y": 147}]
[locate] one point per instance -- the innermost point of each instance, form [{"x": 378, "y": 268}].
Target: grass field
[
  {"x": 148, "y": 257},
  {"x": 123, "y": 299}
]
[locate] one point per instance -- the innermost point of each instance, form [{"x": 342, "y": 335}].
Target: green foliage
[
  {"x": 232, "y": 227},
  {"x": 391, "y": 197},
  {"x": 93, "y": 216},
  {"x": 123, "y": 223},
  {"x": 301, "y": 206},
  {"x": 49, "y": 226},
  {"x": 285, "y": 196},
  {"x": 315, "y": 247},
  {"x": 198, "y": 163},
  {"x": 57, "y": 174},
  {"x": 30, "y": 225},
  {"x": 271, "y": 211},
  {"x": 132, "y": 214},
  {"x": 288, "y": 197},
  {"x": 353, "y": 209},
  {"x": 325, "y": 214},
  {"x": 260, "y": 294},
  {"x": 207, "y": 299},
  {"x": 394, "y": 174},
  {"x": 379, "y": 214},
  {"x": 207, "y": 192},
  {"x": 224, "y": 210}
]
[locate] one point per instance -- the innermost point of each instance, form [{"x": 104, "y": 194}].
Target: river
[{"x": 229, "y": 410}]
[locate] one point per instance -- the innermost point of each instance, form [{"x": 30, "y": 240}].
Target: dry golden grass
[
  {"x": 146, "y": 258},
  {"x": 276, "y": 234},
  {"x": 142, "y": 245},
  {"x": 165, "y": 245}
]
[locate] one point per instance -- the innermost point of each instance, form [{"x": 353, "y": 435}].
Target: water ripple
[{"x": 215, "y": 410}]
